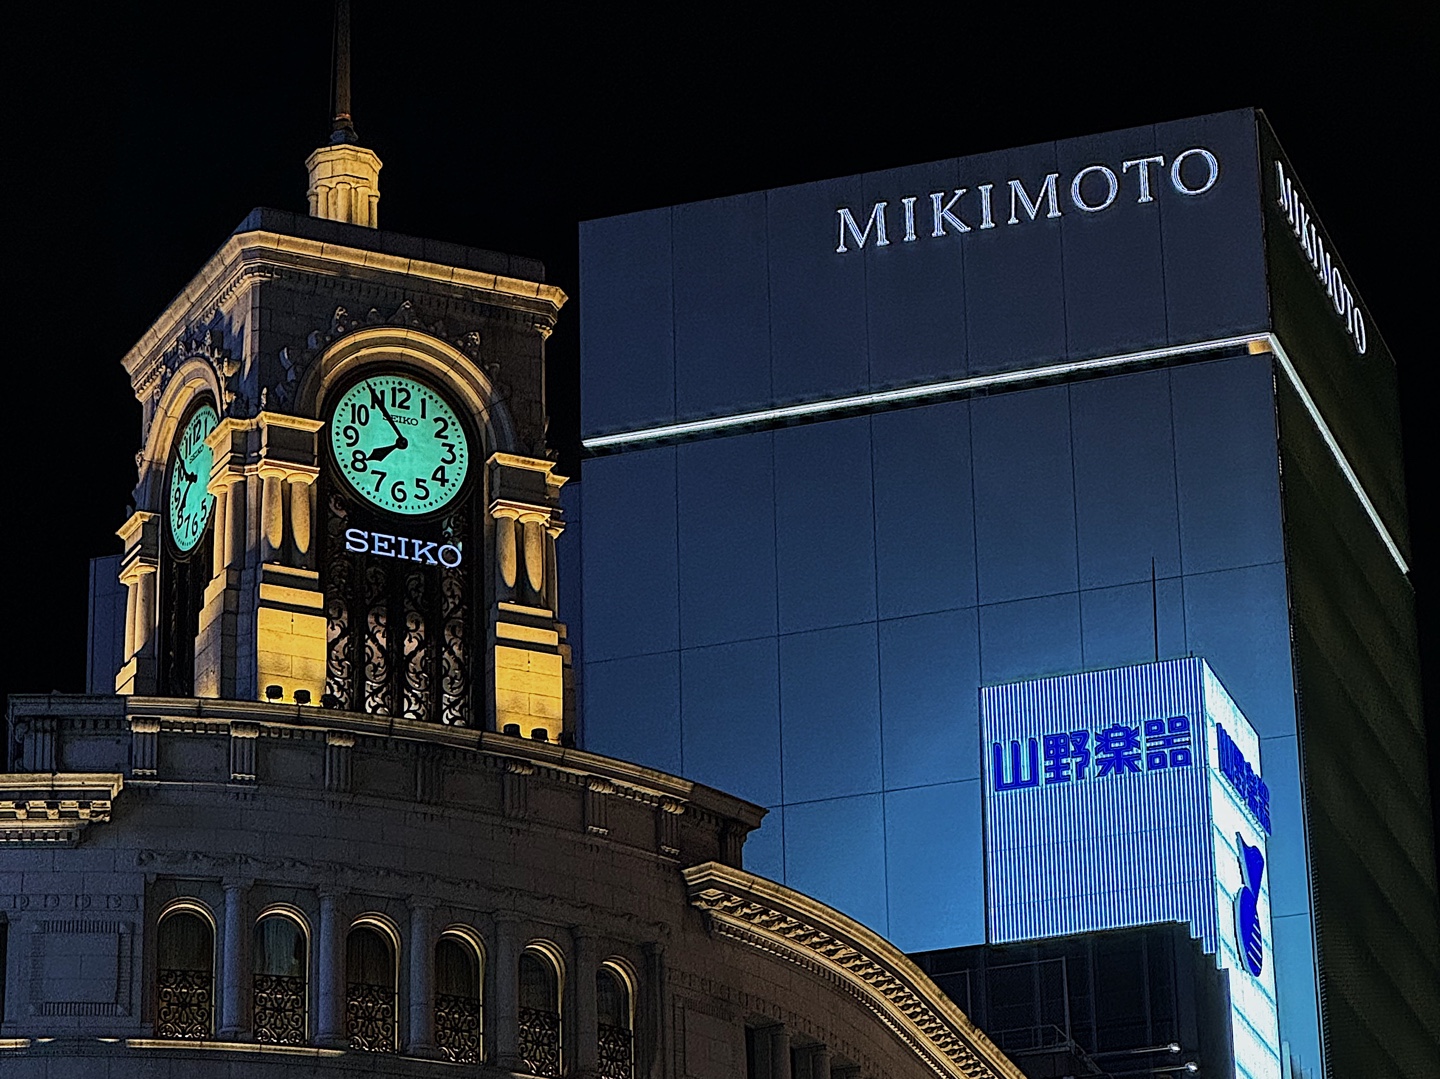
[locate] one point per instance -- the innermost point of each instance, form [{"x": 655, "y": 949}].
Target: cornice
[
  {"x": 259, "y": 252},
  {"x": 54, "y": 808},
  {"x": 772, "y": 918}
]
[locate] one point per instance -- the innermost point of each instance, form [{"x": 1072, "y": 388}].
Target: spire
[
  {"x": 344, "y": 176},
  {"x": 343, "y": 127}
]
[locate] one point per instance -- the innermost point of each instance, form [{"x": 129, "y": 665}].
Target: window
[
  {"x": 540, "y": 1011},
  {"x": 185, "y": 973},
  {"x": 279, "y": 990},
  {"x": 458, "y": 1008},
  {"x": 615, "y": 1019},
  {"x": 370, "y": 988}
]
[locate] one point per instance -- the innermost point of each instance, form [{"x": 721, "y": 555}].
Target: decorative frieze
[{"x": 45, "y": 810}]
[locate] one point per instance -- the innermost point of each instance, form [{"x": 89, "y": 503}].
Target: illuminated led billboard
[{"x": 1131, "y": 796}]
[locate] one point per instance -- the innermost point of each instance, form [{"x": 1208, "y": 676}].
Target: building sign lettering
[
  {"x": 426, "y": 552},
  {"x": 1073, "y": 756},
  {"x": 1092, "y": 190},
  {"x": 1307, "y": 233}
]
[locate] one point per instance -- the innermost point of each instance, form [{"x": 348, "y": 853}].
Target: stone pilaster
[
  {"x": 527, "y": 655},
  {"x": 290, "y": 613},
  {"x": 138, "y": 566}
]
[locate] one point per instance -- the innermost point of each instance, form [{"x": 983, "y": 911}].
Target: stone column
[
  {"x": 584, "y": 1039},
  {"x": 779, "y": 1052},
  {"x": 330, "y": 1022},
  {"x": 819, "y": 1062},
  {"x": 503, "y": 1010},
  {"x": 233, "y": 975},
  {"x": 422, "y": 979}
]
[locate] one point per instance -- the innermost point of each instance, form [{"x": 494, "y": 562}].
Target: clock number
[
  {"x": 422, "y": 406},
  {"x": 422, "y": 489},
  {"x": 439, "y": 475},
  {"x": 397, "y": 491},
  {"x": 351, "y": 433},
  {"x": 444, "y": 426},
  {"x": 449, "y": 457},
  {"x": 359, "y": 414},
  {"x": 379, "y": 479},
  {"x": 359, "y": 462},
  {"x": 396, "y": 400}
]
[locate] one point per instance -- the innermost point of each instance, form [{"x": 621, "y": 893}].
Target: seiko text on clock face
[
  {"x": 190, "y": 502},
  {"x": 399, "y": 444}
]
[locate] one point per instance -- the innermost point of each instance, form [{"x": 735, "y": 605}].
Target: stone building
[{"x": 332, "y": 821}]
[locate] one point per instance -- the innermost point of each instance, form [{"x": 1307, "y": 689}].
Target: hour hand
[{"x": 382, "y": 452}]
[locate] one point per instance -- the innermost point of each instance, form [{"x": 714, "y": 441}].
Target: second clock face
[
  {"x": 399, "y": 444},
  {"x": 190, "y": 503}
]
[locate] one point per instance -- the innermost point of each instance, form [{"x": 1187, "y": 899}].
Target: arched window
[
  {"x": 615, "y": 1018},
  {"x": 279, "y": 992},
  {"x": 370, "y": 988},
  {"x": 458, "y": 1006},
  {"x": 539, "y": 1011},
  {"x": 185, "y": 974}
]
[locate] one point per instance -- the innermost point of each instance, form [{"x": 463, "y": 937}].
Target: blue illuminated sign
[
  {"x": 1115, "y": 750},
  {"x": 1241, "y": 776},
  {"x": 1129, "y": 797},
  {"x": 1248, "y": 937}
]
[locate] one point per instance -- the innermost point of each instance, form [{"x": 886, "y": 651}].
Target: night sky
[{"x": 137, "y": 136}]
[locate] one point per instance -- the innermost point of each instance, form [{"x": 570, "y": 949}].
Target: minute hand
[{"x": 378, "y": 399}]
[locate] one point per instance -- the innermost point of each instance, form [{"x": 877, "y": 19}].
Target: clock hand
[
  {"x": 378, "y": 399},
  {"x": 382, "y": 452}
]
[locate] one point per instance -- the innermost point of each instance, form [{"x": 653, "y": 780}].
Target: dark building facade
[{"x": 862, "y": 448}]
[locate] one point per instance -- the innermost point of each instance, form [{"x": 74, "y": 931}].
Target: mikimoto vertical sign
[{"x": 1128, "y": 797}]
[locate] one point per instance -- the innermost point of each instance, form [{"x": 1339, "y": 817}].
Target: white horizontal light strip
[
  {"x": 1336, "y": 452},
  {"x": 902, "y": 395},
  {"x": 909, "y": 394}
]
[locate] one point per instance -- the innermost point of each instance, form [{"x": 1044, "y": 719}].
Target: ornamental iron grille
[
  {"x": 278, "y": 986},
  {"x": 185, "y": 977},
  {"x": 182, "y": 584},
  {"x": 539, "y": 1014},
  {"x": 457, "y": 1000},
  {"x": 612, "y": 998},
  {"x": 369, "y": 992},
  {"x": 616, "y": 1059},
  {"x": 540, "y": 1041},
  {"x": 398, "y": 631}
]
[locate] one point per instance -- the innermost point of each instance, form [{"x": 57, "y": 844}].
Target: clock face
[
  {"x": 399, "y": 444},
  {"x": 190, "y": 503}
]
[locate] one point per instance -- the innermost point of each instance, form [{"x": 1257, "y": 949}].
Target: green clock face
[
  {"x": 399, "y": 444},
  {"x": 190, "y": 503}
]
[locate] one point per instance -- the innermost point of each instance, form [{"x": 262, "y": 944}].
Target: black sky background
[{"x": 135, "y": 138}]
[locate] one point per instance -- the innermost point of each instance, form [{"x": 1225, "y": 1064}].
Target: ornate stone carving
[{"x": 793, "y": 927}]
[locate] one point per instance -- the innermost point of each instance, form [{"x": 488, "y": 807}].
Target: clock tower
[{"x": 345, "y": 499}]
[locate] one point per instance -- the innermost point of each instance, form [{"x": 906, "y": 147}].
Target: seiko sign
[
  {"x": 1092, "y": 190},
  {"x": 426, "y": 552}
]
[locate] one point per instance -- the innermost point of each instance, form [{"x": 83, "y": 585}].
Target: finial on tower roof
[
  {"x": 344, "y": 176},
  {"x": 342, "y": 127}
]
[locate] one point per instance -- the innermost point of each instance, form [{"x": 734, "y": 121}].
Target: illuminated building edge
[
  {"x": 821, "y": 408},
  {"x": 773, "y": 918}
]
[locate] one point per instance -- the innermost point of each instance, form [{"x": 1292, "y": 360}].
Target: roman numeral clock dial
[
  {"x": 399, "y": 444},
  {"x": 190, "y": 503}
]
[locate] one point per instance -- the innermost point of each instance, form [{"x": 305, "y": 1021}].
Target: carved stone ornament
[
  {"x": 208, "y": 344},
  {"x": 791, "y": 926},
  {"x": 295, "y": 363}
]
